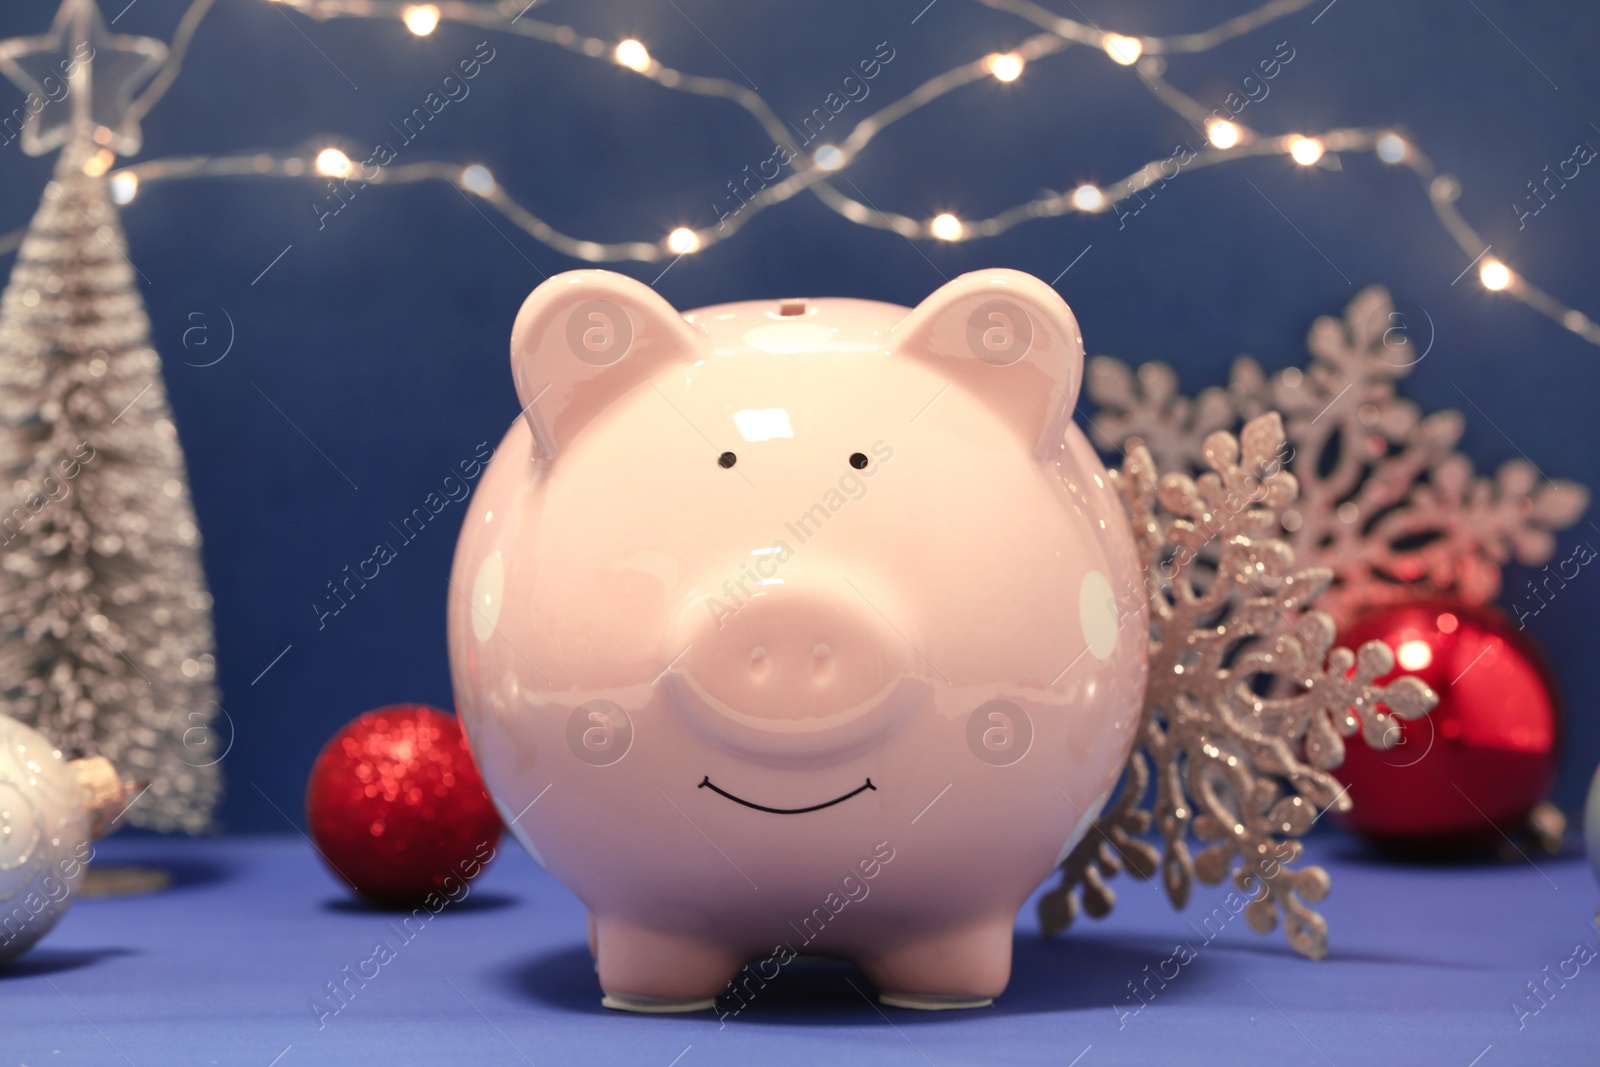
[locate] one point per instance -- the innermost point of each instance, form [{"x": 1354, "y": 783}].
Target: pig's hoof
[
  {"x": 655, "y": 1005},
  {"x": 932, "y": 1001}
]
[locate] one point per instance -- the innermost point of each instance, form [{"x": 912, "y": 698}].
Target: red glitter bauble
[
  {"x": 398, "y": 809},
  {"x": 1475, "y": 766}
]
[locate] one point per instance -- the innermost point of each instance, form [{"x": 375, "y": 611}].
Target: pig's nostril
[{"x": 822, "y": 664}]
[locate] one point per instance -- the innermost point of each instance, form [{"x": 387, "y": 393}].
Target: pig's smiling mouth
[{"x": 705, "y": 783}]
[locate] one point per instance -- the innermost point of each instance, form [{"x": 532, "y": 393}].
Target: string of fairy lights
[{"x": 1225, "y": 140}]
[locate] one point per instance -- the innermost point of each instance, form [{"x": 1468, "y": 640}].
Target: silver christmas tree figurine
[{"x": 105, "y": 627}]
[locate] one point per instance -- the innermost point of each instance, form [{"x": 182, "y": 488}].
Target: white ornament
[{"x": 50, "y": 809}]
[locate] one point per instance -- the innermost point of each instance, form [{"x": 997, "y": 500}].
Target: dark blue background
[{"x": 383, "y": 336}]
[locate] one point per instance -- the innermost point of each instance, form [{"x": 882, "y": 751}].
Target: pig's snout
[
  {"x": 795, "y": 653},
  {"x": 799, "y": 668}
]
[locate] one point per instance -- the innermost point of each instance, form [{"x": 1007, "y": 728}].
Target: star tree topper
[{"x": 80, "y": 80}]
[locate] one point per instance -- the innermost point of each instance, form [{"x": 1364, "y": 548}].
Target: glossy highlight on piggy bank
[{"x": 797, "y": 627}]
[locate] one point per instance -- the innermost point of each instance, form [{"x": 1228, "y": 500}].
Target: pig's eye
[
  {"x": 727, "y": 459},
  {"x": 858, "y": 460}
]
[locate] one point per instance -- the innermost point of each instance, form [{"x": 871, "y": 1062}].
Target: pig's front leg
[
  {"x": 650, "y": 971},
  {"x": 965, "y": 967}
]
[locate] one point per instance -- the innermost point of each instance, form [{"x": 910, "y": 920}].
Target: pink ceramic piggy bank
[{"x": 797, "y": 627}]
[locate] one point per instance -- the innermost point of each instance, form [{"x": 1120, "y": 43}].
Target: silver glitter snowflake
[
  {"x": 1248, "y": 701},
  {"x": 1387, "y": 504}
]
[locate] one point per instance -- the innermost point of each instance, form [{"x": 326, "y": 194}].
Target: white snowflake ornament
[
  {"x": 1386, "y": 504},
  {"x": 1247, "y": 702}
]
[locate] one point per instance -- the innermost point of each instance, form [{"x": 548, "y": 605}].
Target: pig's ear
[
  {"x": 584, "y": 338},
  {"x": 1011, "y": 340}
]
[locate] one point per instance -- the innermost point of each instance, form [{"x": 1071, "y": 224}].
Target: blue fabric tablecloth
[{"x": 1428, "y": 965}]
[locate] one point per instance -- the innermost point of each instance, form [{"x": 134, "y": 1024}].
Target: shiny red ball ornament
[
  {"x": 397, "y": 807},
  {"x": 1474, "y": 767}
]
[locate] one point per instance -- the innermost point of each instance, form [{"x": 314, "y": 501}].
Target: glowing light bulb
[
  {"x": 1414, "y": 655},
  {"x": 828, "y": 158},
  {"x": 632, "y": 54},
  {"x": 1006, "y": 67},
  {"x": 1222, "y": 133},
  {"x": 1391, "y": 148},
  {"x": 1494, "y": 275},
  {"x": 332, "y": 163},
  {"x": 1088, "y": 198},
  {"x": 1124, "y": 50},
  {"x": 946, "y": 227},
  {"x": 99, "y": 163},
  {"x": 421, "y": 19},
  {"x": 477, "y": 179},
  {"x": 124, "y": 187},
  {"x": 683, "y": 241},
  {"x": 1304, "y": 150}
]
